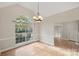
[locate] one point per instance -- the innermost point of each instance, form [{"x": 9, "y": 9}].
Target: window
[{"x": 23, "y": 29}]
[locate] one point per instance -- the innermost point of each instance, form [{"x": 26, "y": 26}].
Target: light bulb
[
  {"x": 34, "y": 17},
  {"x": 40, "y": 17}
]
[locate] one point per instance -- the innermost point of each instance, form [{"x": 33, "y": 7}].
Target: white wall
[
  {"x": 70, "y": 31},
  {"x": 65, "y": 16},
  {"x": 7, "y": 27},
  {"x": 47, "y": 32}
]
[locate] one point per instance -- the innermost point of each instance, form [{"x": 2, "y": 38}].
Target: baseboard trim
[
  {"x": 46, "y": 43},
  {"x": 4, "y": 50}
]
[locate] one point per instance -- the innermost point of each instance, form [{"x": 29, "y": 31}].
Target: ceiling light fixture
[{"x": 38, "y": 18}]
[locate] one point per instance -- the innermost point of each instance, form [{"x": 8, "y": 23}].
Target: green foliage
[{"x": 23, "y": 19}]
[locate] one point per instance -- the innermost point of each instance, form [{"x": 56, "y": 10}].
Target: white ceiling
[{"x": 46, "y": 8}]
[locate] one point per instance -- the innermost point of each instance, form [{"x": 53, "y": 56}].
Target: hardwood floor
[
  {"x": 35, "y": 49},
  {"x": 66, "y": 44}
]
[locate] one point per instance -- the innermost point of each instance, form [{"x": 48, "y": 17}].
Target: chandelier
[{"x": 38, "y": 18}]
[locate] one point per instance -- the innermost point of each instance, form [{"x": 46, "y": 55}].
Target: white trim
[
  {"x": 47, "y": 43},
  {"x": 18, "y": 45}
]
